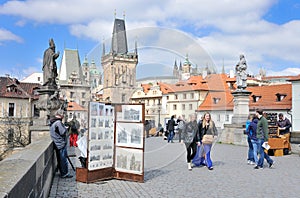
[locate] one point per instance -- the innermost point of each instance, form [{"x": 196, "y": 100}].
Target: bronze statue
[
  {"x": 49, "y": 65},
  {"x": 241, "y": 74}
]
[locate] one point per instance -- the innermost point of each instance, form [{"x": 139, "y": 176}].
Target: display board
[{"x": 115, "y": 145}]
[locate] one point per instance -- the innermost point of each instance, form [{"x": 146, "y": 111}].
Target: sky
[{"x": 210, "y": 33}]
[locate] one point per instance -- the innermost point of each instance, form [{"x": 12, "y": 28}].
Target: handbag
[{"x": 207, "y": 139}]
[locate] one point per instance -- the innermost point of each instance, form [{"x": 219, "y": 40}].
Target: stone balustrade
[{"x": 28, "y": 172}]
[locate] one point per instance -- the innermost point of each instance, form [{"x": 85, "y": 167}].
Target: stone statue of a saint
[
  {"x": 49, "y": 65},
  {"x": 241, "y": 74}
]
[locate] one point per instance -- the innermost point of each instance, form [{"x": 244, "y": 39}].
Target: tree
[{"x": 14, "y": 132}]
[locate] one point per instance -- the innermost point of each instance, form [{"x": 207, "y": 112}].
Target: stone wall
[{"x": 28, "y": 172}]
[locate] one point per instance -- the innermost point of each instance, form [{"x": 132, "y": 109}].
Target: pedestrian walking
[
  {"x": 262, "y": 134},
  {"x": 191, "y": 138},
  {"x": 251, "y": 132},
  {"x": 250, "y": 157},
  {"x": 208, "y": 132},
  {"x": 171, "y": 127},
  {"x": 181, "y": 124}
]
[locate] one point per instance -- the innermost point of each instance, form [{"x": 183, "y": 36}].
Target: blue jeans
[
  {"x": 250, "y": 150},
  {"x": 170, "y": 136},
  {"x": 62, "y": 161},
  {"x": 207, "y": 149},
  {"x": 263, "y": 155},
  {"x": 256, "y": 146}
]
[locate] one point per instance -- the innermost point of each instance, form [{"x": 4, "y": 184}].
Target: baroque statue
[
  {"x": 49, "y": 65},
  {"x": 241, "y": 73}
]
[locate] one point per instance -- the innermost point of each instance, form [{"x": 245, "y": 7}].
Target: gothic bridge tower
[{"x": 119, "y": 67}]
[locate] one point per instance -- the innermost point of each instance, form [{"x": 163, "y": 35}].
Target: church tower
[{"x": 119, "y": 67}]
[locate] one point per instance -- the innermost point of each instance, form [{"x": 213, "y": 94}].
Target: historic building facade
[{"x": 119, "y": 67}]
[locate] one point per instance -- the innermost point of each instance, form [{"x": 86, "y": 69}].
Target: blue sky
[{"x": 211, "y": 33}]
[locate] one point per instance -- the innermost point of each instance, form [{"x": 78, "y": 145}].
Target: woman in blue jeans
[{"x": 207, "y": 127}]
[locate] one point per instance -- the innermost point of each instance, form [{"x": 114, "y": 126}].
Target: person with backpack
[
  {"x": 74, "y": 131},
  {"x": 249, "y": 132}
]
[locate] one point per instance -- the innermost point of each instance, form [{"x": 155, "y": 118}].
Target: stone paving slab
[{"x": 166, "y": 175}]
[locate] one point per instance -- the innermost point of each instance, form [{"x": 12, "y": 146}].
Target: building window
[
  {"x": 11, "y": 109},
  {"x": 191, "y": 106},
  {"x": 158, "y": 102},
  {"x": 167, "y": 97},
  {"x": 176, "y": 96},
  {"x": 219, "y": 118},
  {"x": 83, "y": 103},
  {"x": 174, "y": 107},
  {"x": 123, "y": 97},
  {"x": 83, "y": 95},
  {"x": 72, "y": 94},
  {"x": 184, "y": 96},
  {"x": 192, "y": 96},
  {"x": 39, "y": 79},
  {"x": 280, "y": 97},
  {"x": 183, "y": 106},
  {"x": 227, "y": 118},
  {"x": 36, "y": 112},
  {"x": 78, "y": 115}
]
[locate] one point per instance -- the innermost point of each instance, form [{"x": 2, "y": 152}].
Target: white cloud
[
  {"x": 6, "y": 35},
  {"x": 230, "y": 28},
  {"x": 285, "y": 72}
]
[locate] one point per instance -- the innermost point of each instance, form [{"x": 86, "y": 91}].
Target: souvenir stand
[
  {"x": 276, "y": 142},
  {"x": 115, "y": 143}
]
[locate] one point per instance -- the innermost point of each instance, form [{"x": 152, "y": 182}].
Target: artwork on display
[
  {"x": 129, "y": 160},
  {"x": 130, "y": 113},
  {"x": 129, "y": 134},
  {"x": 116, "y": 140},
  {"x": 101, "y": 136}
]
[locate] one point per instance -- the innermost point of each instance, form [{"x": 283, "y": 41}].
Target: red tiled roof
[
  {"x": 73, "y": 106},
  {"x": 21, "y": 89},
  {"x": 267, "y": 94}
]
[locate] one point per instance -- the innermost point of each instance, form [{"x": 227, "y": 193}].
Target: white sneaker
[
  {"x": 189, "y": 166},
  {"x": 252, "y": 163},
  {"x": 248, "y": 162}
]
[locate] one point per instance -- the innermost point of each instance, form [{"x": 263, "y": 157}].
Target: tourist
[
  {"x": 208, "y": 132},
  {"x": 251, "y": 132},
  {"x": 74, "y": 131},
  {"x": 250, "y": 159},
  {"x": 262, "y": 134},
  {"x": 191, "y": 138},
  {"x": 181, "y": 123},
  {"x": 284, "y": 126},
  {"x": 58, "y": 133},
  {"x": 171, "y": 127}
]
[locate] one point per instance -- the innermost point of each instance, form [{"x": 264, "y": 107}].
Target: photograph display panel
[
  {"x": 130, "y": 113},
  {"x": 129, "y": 160},
  {"x": 101, "y": 136},
  {"x": 129, "y": 134}
]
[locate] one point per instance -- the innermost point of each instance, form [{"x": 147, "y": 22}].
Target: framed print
[
  {"x": 129, "y": 160},
  {"x": 129, "y": 134},
  {"x": 130, "y": 113}
]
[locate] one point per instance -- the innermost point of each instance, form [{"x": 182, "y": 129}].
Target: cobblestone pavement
[{"x": 166, "y": 175}]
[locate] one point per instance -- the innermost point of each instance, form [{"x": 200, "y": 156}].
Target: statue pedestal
[
  {"x": 241, "y": 106},
  {"x": 48, "y": 104},
  {"x": 234, "y": 133}
]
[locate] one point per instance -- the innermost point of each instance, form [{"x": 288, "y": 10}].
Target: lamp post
[{"x": 159, "y": 116}]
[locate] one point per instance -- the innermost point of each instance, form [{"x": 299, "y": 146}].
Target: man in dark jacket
[
  {"x": 58, "y": 133},
  {"x": 262, "y": 134},
  {"x": 284, "y": 126},
  {"x": 171, "y": 127}
]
